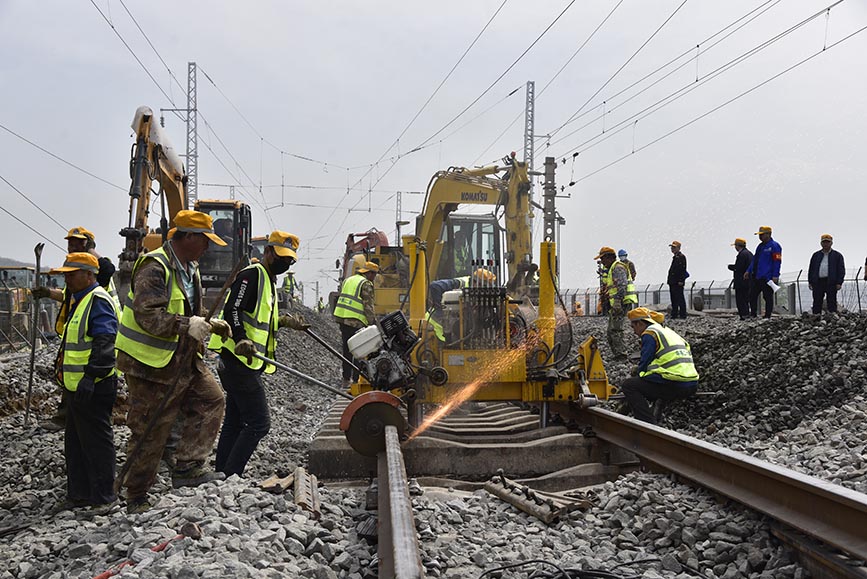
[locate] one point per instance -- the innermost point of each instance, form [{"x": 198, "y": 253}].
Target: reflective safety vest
[
  {"x": 112, "y": 291},
  {"x": 260, "y": 325},
  {"x": 60, "y": 322},
  {"x": 148, "y": 349},
  {"x": 76, "y": 344},
  {"x": 435, "y": 326},
  {"x": 349, "y": 304},
  {"x": 631, "y": 296},
  {"x": 673, "y": 358}
]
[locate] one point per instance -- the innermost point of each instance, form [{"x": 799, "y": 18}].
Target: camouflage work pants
[
  {"x": 198, "y": 398},
  {"x": 615, "y": 333}
]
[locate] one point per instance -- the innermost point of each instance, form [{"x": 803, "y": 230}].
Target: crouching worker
[
  {"x": 252, "y": 313},
  {"x": 85, "y": 367},
  {"x": 665, "y": 371}
]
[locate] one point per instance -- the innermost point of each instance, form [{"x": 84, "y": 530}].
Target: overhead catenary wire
[
  {"x": 26, "y": 198},
  {"x": 28, "y": 226},
  {"x": 477, "y": 99},
  {"x": 750, "y": 16},
  {"x": 553, "y": 78},
  {"x": 624, "y": 65},
  {"x": 61, "y": 159},
  {"x": 720, "y": 106},
  {"x": 689, "y": 87}
]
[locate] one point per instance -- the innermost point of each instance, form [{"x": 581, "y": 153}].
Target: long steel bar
[
  {"x": 828, "y": 512},
  {"x": 399, "y": 556}
]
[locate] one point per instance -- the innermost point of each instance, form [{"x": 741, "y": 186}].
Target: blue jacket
[
  {"x": 766, "y": 261},
  {"x": 836, "y": 267}
]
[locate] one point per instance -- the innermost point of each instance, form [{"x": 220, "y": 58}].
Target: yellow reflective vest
[
  {"x": 349, "y": 304},
  {"x": 76, "y": 345},
  {"x": 260, "y": 326},
  {"x": 435, "y": 326},
  {"x": 631, "y": 296},
  {"x": 673, "y": 358},
  {"x": 147, "y": 348}
]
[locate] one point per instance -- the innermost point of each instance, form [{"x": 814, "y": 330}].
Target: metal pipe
[
  {"x": 798, "y": 285},
  {"x": 303, "y": 376},
  {"x": 334, "y": 351},
  {"x": 399, "y": 556},
  {"x": 858, "y": 288}
]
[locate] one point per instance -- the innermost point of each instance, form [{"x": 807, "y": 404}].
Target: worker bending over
[
  {"x": 251, "y": 311},
  {"x": 160, "y": 346},
  {"x": 354, "y": 310},
  {"x": 85, "y": 368},
  {"x": 665, "y": 371}
]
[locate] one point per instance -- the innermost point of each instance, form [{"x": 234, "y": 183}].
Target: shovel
[{"x": 34, "y": 319}]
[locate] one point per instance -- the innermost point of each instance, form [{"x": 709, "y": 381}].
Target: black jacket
[
  {"x": 739, "y": 267},
  {"x": 677, "y": 271},
  {"x": 836, "y": 267}
]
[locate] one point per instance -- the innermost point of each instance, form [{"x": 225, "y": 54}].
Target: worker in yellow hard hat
[
  {"x": 354, "y": 310},
  {"x": 666, "y": 370},
  {"x": 160, "y": 346},
  {"x": 621, "y": 298}
]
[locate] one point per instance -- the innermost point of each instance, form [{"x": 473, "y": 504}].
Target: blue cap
[{"x": 622, "y": 253}]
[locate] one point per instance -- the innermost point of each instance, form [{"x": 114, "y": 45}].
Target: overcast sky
[{"x": 339, "y": 81}]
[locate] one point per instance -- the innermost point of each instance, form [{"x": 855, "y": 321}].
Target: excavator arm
[{"x": 153, "y": 159}]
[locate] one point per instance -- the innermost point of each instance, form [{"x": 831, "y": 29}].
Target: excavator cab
[
  {"x": 258, "y": 245},
  {"x": 232, "y": 222},
  {"x": 468, "y": 242}
]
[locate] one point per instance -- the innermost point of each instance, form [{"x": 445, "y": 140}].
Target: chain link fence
[{"x": 793, "y": 298}]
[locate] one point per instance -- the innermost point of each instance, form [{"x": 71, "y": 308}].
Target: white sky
[{"x": 338, "y": 82}]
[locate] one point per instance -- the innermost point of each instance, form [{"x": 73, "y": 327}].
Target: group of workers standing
[{"x": 159, "y": 339}]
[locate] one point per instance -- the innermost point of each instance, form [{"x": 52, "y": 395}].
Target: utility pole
[
  {"x": 192, "y": 137},
  {"x": 317, "y": 291},
  {"x": 398, "y": 222},
  {"x": 552, "y": 220},
  {"x": 529, "y": 133}
]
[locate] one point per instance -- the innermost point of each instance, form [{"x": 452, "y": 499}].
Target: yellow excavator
[
  {"x": 493, "y": 343},
  {"x": 154, "y": 159}
]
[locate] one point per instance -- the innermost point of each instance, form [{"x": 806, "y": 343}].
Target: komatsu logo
[{"x": 478, "y": 196}]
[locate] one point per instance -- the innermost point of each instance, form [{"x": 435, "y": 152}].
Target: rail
[
  {"x": 398, "y": 550},
  {"x": 833, "y": 514}
]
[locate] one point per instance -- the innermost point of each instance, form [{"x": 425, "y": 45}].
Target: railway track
[{"x": 832, "y": 515}]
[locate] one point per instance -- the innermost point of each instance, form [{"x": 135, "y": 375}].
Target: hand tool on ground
[
  {"x": 334, "y": 351},
  {"x": 34, "y": 319},
  {"x": 303, "y": 376},
  {"x": 190, "y": 530},
  {"x": 189, "y": 348}
]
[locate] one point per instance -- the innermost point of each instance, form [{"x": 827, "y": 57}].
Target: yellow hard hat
[
  {"x": 642, "y": 314},
  {"x": 80, "y": 233},
  {"x": 485, "y": 275},
  {"x": 368, "y": 266},
  {"x": 196, "y": 222},
  {"x": 284, "y": 244},
  {"x": 78, "y": 260},
  {"x": 605, "y": 250}
]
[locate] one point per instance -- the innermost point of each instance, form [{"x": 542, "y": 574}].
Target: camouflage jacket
[
  {"x": 149, "y": 308},
  {"x": 367, "y": 298}
]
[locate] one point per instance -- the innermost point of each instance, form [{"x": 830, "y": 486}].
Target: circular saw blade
[{"x": 366, "y": 432}]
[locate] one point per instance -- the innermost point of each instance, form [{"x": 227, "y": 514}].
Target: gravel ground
[{"x": 248, "y": 533}]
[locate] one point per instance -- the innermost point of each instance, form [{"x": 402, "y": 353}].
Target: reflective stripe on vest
[
  {"x": 349, "y": 304},
  {"x": 673, "y": 359},
  {"x": 631, "y": 296},
  {"x": 76, "y": 345},
  {"x": 60, "y": 322},
  {"x": 112, "y": 291},
  {"x": 132, "y": 339},
  {"x": 260, "y": 326},
  {"x": 435, "y": 326}
]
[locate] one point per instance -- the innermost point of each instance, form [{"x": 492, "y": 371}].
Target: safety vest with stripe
[
  {"x": 349, "y": 304},
  {"x": 673, "y": 358},
  {"x": 435, "y": 326},
  {"x": 60, "y": 322},
  {"x": 76, "y": 345},
  {"x": 132, "y": 339},
  {"x": 631, "y": 296},
  {"x": 260, "y": 325}
]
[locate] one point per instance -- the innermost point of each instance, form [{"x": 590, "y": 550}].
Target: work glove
[
  {"x": 84, "y": 392},
  {"x": 221, "y": 328},
  {"x": 199, "y": 328},
  {"x": 633, "y": 371},
  {"x": 245, "y": 348},
  {"x": 617, "y": 308},
  {"x": 294, "y": 321},
  {"x": 40, "y": 292}
]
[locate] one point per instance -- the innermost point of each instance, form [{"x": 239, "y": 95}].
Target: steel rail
[
  {"x": 829, "y": 512},
  {"x": 397, "y": 550}
]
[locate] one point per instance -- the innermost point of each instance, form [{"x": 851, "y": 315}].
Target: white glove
[{"x": 199, "y": 328}]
